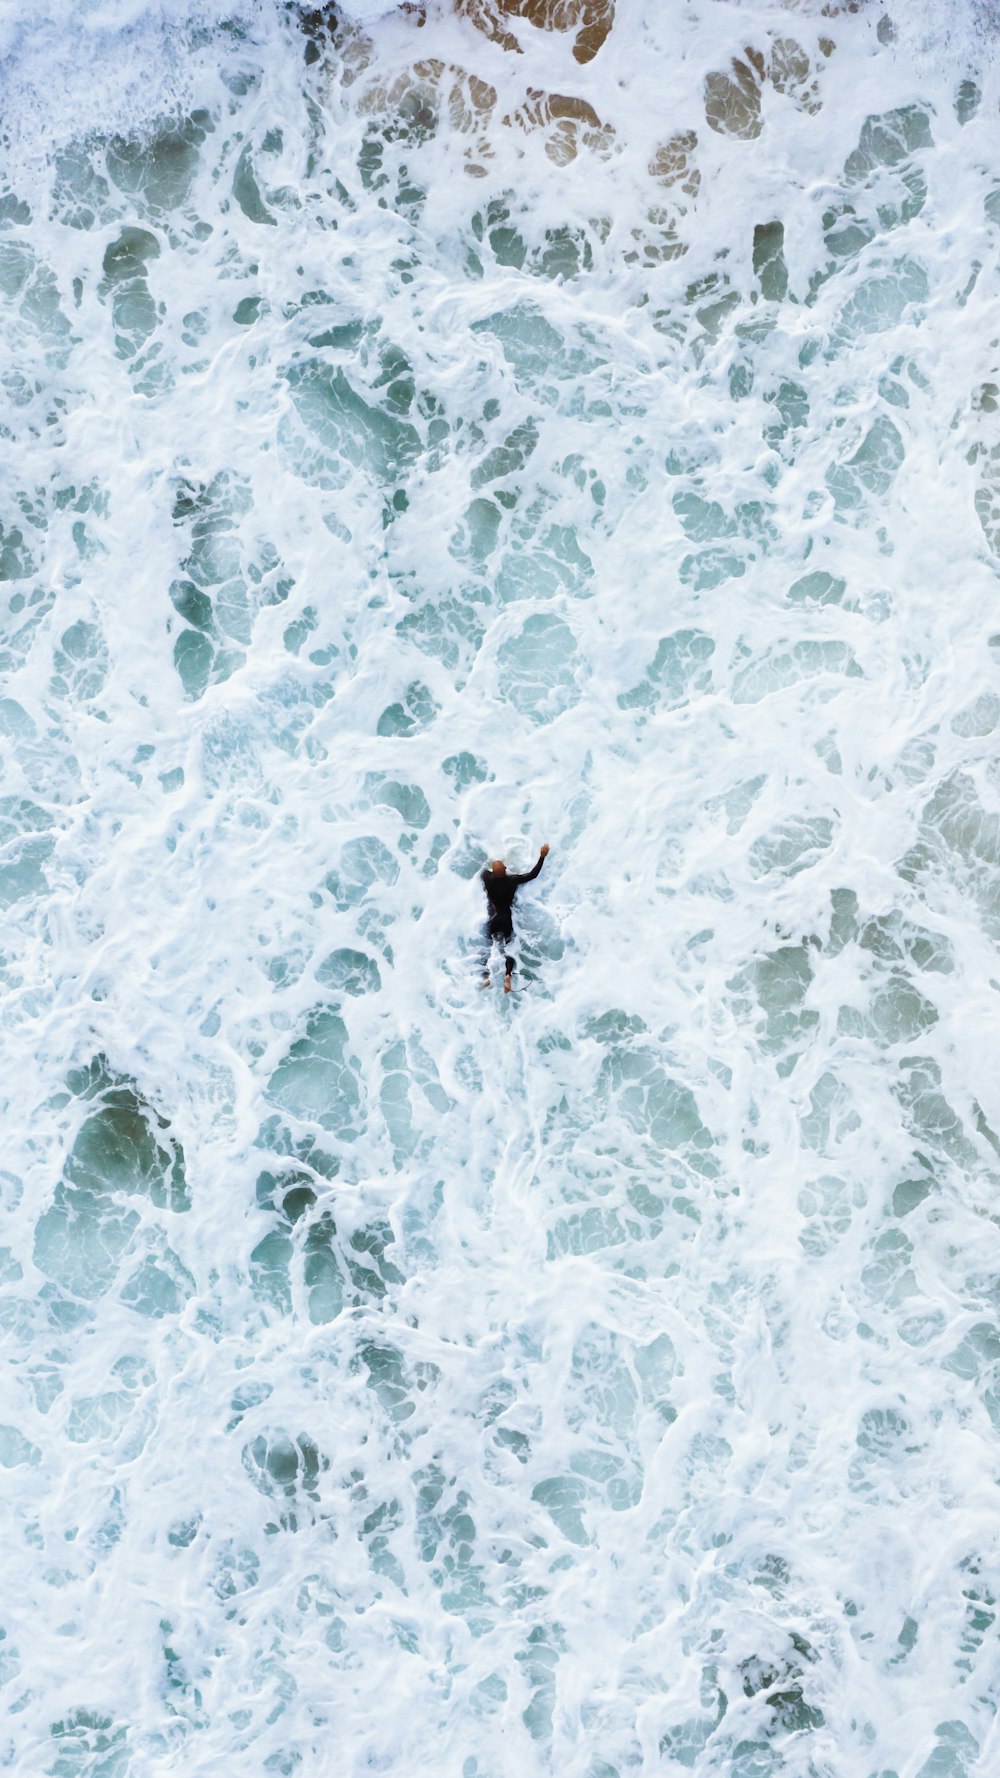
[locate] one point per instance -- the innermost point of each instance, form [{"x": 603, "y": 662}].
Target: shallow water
[{"x": 421, "y": 439}]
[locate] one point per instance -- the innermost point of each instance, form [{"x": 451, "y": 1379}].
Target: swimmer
[{"x": 501, "y": 888}]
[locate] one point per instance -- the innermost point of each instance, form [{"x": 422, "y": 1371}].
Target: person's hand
[{"x": 544, "y": 852}]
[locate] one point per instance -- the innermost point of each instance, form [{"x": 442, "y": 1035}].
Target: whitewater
[{"x": 424, "y": 433}]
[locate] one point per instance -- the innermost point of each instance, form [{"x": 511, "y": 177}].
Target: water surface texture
[{"x": 422, "y": 436}]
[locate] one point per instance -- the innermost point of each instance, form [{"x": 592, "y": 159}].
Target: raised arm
[{"x": 529, "y": 876}]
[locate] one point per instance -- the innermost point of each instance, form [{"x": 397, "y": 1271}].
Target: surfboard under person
[{"x": 501, "y": 887}]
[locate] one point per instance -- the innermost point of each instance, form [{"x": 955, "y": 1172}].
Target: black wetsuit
[{"x": 500, "y": 893}]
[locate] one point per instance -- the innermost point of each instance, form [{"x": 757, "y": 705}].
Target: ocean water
[{"x": 425, "y": 434}]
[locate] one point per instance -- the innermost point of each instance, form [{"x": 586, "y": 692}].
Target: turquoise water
[{"x": 422, "y": 437}]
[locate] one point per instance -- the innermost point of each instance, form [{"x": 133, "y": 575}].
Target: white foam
[{"x": 603, "y": 1378}]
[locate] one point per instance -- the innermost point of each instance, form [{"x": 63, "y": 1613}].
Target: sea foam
[{"x": 423, "y": 436}]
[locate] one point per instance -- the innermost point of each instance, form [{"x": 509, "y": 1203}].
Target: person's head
[{"x": 498, "y": 867}]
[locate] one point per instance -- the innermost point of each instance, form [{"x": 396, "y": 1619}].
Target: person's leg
[
  {"x": 510, "y": 965},
  {"x": 493, "y": 934}
]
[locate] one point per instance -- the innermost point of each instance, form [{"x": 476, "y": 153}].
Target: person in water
[{"x": 501, "y": 889}]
